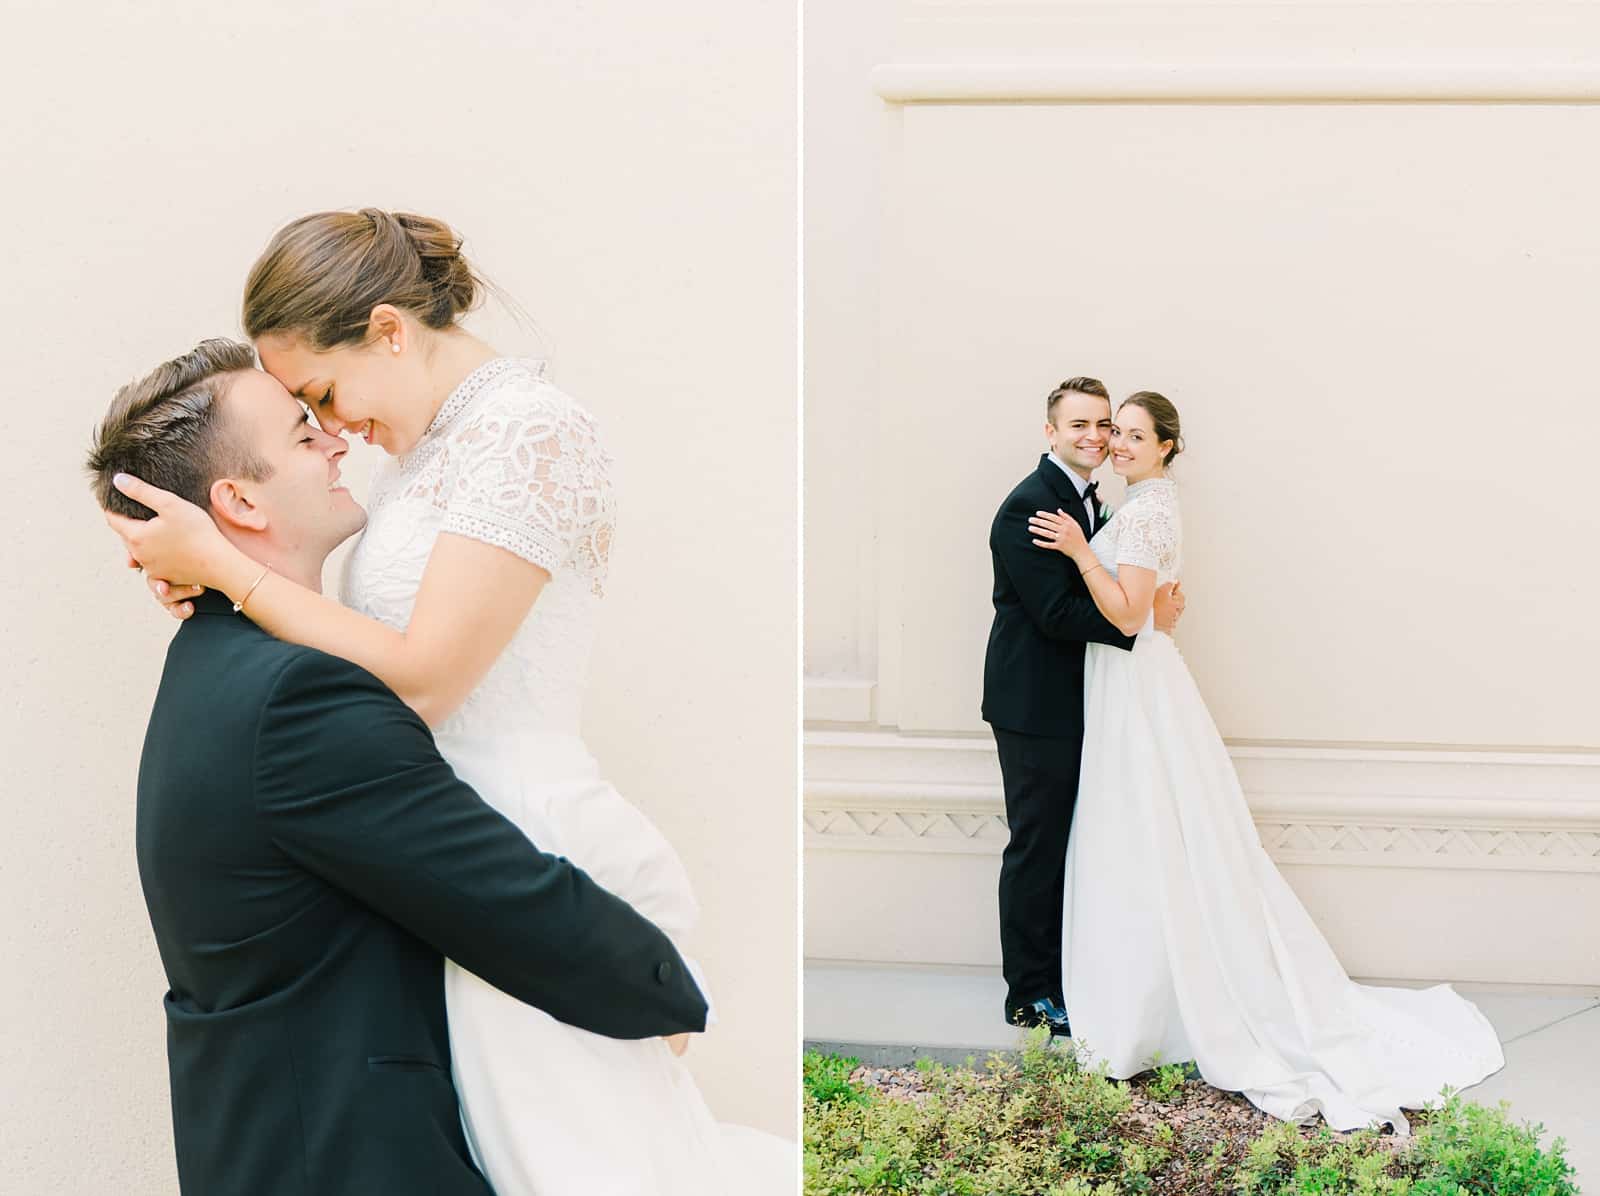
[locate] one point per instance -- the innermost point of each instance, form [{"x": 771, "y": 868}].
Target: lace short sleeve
[
  {"x": 528, "y": 474},
  {"x": 1148, "y": 537}
]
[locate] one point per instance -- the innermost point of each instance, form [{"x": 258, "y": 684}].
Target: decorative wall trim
[
  {"x": 1342, "y": 806},
  {"x": 1238, "y": 83},
  {"x": 839, "y": 700},
  {"x": 980, "y": 831}
]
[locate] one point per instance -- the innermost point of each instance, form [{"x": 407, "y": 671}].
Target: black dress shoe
[{"x": 1043, "y": 1012}]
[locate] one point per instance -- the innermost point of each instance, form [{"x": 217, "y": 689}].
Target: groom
[
  {"x": 1033, "y": 691},
  {"x": 308, "y": 858}
]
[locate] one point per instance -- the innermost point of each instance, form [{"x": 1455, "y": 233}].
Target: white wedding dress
[
  {"x": 1179, "y": 936},
  {"x": 549, "y": 1110}
]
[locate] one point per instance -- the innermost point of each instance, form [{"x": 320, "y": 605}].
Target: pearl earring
[{"x": 395, "y": 345}]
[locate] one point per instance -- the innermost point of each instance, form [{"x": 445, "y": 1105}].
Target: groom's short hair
[
  {"x": 1082, "y": 386},
  {"x": 168, "y": 429}
]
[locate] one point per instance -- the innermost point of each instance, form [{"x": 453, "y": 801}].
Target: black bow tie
[{"x": 1090, "y": 492}]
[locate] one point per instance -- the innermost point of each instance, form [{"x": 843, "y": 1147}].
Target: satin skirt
[
  {"x": 552, "y": 1110},
  {"x": 1181, "y": 940}
]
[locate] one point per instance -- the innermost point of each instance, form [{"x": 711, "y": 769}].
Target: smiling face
[
  {"x": 304, "y": 509},
  {"x": 1079, "y": 429},
  {"x": 1137, "y": 452},
  {"x": 366, "y": 389}
]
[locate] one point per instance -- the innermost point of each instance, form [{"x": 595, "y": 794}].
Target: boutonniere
[{"x": 1105, "y": 512}]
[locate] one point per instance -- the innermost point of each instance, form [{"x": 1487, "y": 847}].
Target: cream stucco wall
[
  {"x": 1354, "y": 243},
  {"x": 627, "y": 172}
]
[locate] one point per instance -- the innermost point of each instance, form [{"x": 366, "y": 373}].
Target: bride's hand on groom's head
[
  {"x": 176, "y": 542},
  {"x": 1058, "y": 531},
  {"x": 176, "y": 600}
]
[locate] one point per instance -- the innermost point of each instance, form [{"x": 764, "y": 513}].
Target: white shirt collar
[{"x": 1077, "y": 482}]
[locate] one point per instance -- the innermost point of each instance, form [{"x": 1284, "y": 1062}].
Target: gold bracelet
[
  {"x": 239, "y": 605},
  {"x": 1085, "y": 573}
]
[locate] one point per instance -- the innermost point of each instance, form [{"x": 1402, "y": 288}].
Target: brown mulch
[{"x": 1200, "y": 1116}]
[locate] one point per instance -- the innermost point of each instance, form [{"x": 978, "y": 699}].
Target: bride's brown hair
[
  {"x": 1163, "y": 415},
  {"x": 321, "y": 275}
]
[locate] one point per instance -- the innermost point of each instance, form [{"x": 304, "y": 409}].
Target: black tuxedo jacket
[
  {"x": 308, "y": 859},
  {"x": 1043, "y": 616}
]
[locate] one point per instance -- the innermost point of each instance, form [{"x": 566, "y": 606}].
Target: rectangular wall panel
[{"x": 1375, "y": 320}]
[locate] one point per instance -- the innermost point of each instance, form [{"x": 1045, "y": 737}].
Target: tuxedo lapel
[{"x": 1067, "y": 495}]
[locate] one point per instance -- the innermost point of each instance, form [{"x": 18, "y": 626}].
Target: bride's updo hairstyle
[
  {"x": 1163, "y": 415},
  {"x": 320, "y": 276}
]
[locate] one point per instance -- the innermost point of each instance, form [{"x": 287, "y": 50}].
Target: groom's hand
[
  {"x": 1169, "y": 605},
  {"x": 679, "y": 1043}
]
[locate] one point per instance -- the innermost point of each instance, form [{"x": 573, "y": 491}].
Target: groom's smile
[{"x": 1090, "y": 448}]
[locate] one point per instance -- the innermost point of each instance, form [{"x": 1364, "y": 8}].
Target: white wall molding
[
  {"x": 1260, "y": 82},
  {"x": 1417, "y": 864},
  {"x": 1343, "y": 806},
  {"x": 839, "y": 699}
]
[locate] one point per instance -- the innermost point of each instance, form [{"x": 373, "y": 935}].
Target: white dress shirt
[{"x": 1078, "y": 483}]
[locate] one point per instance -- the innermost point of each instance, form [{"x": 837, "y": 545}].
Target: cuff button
[{"x": 663, "y": 971}]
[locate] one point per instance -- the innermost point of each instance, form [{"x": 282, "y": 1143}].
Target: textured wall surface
[{"x": 631, "y": 181}]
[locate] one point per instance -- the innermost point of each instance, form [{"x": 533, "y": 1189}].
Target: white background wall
[
  {"x": 1372, "y": 316},
  {"x": 1356, "y": 319},
  {"x": 1372, "y": 310},
  {"x": 627, "y": 172}
]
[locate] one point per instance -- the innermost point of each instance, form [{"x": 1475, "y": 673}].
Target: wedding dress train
[{"x": 1180, "y": 939}]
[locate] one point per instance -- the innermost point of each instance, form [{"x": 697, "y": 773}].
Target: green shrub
[
  {"x": 1471, "y": 1148},
  {"x": 1460, "y": 1149},
  {"x": 826, "y": 1078},
  {"x": 1044, "y": 1124},
  {"x": 1038, "y": 1125},
  {"x": 1168, "y": 1081},
  {"x": 1284, "y": 1160}
]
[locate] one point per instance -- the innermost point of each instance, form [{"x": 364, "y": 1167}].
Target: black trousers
[{"x": 1041, "y": 785}]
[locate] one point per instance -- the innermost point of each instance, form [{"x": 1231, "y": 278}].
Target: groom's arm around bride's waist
[
  {"x": 1047, "y": 583},
  {"x": 348, "y": 783}
]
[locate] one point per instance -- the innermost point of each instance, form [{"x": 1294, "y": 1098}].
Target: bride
[
  {"x": 1180, "y": 938},
  {"x": 473, "y": 594}
]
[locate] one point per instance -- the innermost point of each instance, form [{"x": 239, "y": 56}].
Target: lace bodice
[
  {"x": 510, "y": 461},
  {"x": 1146, "y": 530}
]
